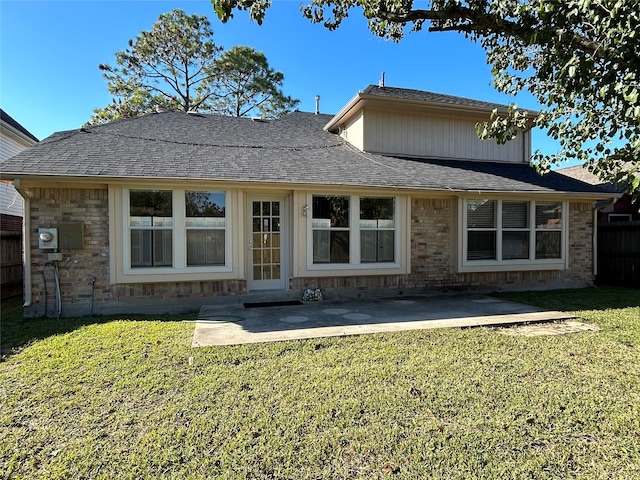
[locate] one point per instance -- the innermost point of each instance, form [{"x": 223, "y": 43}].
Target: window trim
[
  {"x": 355, "y": 262},
  {"x": 179, "y": 237},
  {"x": 499, "y": 264}
]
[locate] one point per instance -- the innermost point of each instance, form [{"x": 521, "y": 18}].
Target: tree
[
  {"x": 245, "y": 84},
  {"x": 579, "y": 58},
  {"x": 177, "y": 66},
  {"x": 169, "y": 67}
]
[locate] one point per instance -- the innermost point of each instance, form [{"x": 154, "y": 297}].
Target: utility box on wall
[
  {"x": 48, "y": 238},
  {"x": 71, "y": 235}
]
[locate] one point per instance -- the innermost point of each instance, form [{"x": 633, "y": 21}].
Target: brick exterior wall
[
  {"x": 433, "y": 251},
  {"x": 50, "y": 206},
  {"x": 433, "y": 248}
]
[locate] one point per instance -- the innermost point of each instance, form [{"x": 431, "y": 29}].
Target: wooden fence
[
  {"x": 10, "y": 264},
  {"x": 619, "y": 253}
]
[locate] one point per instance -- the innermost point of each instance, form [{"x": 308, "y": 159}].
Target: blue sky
[{"x": 50, "y": 51}]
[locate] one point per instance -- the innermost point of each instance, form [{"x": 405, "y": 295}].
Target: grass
[{"x": 129, "y": 398}]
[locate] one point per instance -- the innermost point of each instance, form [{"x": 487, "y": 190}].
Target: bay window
[{"x": 512, "y": 231}]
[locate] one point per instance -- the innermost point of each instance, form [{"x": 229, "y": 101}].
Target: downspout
[
  {"x": 596, "y": 209},
  {"x": 26, "y": 242}
]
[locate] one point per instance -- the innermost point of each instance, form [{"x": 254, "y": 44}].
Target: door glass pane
[{"x": 266, "y": 272}]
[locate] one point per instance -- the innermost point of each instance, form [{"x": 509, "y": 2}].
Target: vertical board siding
[
  {"x": 441, "y": 137},
  {"x": 619, "y": 253},
  {"x": 11, "y": 269}
]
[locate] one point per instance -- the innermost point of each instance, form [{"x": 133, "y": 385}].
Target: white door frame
[{"x": 281, "y": 283}]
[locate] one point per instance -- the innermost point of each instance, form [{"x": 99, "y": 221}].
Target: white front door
[{"x": 268, "y": 266}]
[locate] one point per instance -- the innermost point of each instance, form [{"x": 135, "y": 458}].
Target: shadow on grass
[
  {"x": 595, "y": 298},
  {"x": 16, "y": 332}
]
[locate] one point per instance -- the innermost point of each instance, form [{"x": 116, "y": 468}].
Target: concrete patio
[{"x": 234, "y": 324}]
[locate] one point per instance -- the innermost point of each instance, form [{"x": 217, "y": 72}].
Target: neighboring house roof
[
  {"x": 291, "y": 150},
  {"x": 13, "y": 139},
  {"x": 580, "y": 172},
  {"x": 6, "y": 118}
]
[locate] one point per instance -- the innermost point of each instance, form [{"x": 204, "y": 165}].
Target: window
[
  {"x": 548, "y": 229},
  {"x": 151, "y": 223},
  {"x": 177, "y": 229},
  {"x": 481, "y": 229},
  {"x": 619, "y": 217},
  {"x": 330, "y": 226},
  {"x": 501, "y": 230},
  {"x": 515, "y": 230},
  {"x": 377, "y": 230},
  {"x": 352, "y": 230},
  {"x": 205, "y": 224}
]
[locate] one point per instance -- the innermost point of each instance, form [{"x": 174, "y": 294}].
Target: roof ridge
[{"x": 222, "y": 145}]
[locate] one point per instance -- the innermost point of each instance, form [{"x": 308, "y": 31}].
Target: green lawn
[{"x": 129, "y": 398}]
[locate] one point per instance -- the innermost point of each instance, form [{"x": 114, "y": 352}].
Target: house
[
  {"x": 13, "y": 139},
  {"x": 624, "y": 209},
  {"x": 395, "y": 193},
  {"x": 618, "y": 232}
]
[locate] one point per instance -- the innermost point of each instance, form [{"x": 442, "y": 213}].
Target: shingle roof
[
  {"x": 580, "y": 172},
  {"x": 293, "y": 149},
  {"x": 424, "y": 96}
]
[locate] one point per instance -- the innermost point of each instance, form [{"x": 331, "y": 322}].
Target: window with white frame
[
  {"x": 377, "y": 230},
  {"x": 353, "y": 230},
  {"x": 331, "y": 229},
  {"x": 206, "y": 228},
  {"x": 177, "y": 229},
  {"x": 151, "y": 226},
  {"x": 512, "y": 230}
]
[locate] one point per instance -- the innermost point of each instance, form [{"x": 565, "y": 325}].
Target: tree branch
[{"x": 483, "y": 23}]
